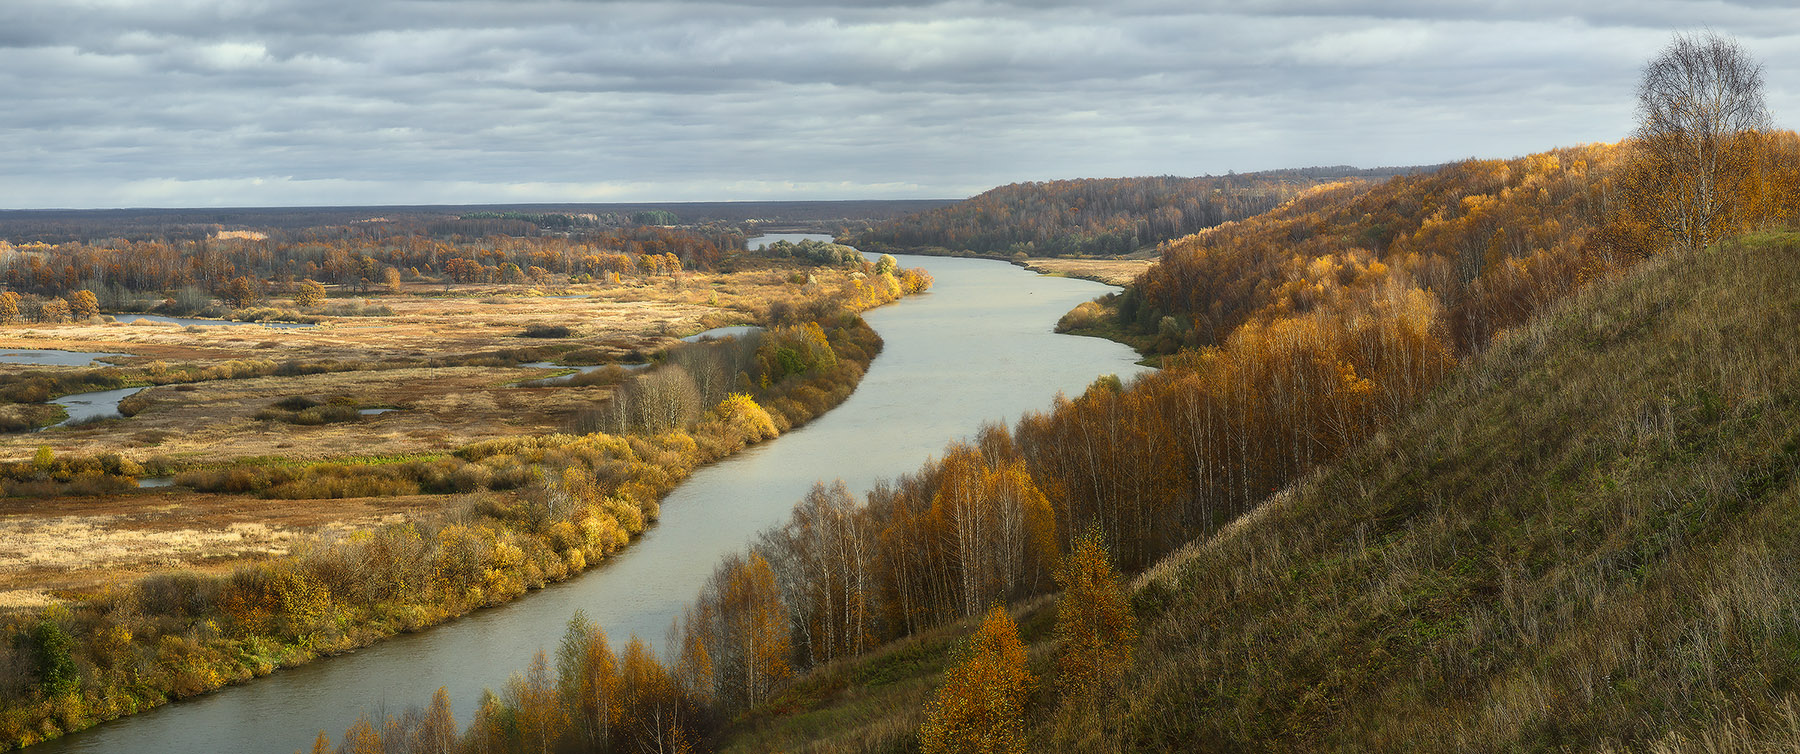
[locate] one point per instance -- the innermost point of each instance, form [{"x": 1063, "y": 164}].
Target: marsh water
[
  {"x": 978, "y": 347},
  {"x": 195, "y": 322}
]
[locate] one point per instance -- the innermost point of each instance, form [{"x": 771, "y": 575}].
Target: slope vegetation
[{"x": 1584, "y": 540}]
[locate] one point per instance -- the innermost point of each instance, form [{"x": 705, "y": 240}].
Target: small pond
[
  {"x": 128, "y": 318},
  {"x": 99, "y": 404},
  {"x": 36, "y": 357},
  {"x": 721, "y": 333}
]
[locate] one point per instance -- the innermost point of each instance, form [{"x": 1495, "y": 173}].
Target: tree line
[
  {"x": 1094, "y": 216},
  {"x": 358, "y": 256}
]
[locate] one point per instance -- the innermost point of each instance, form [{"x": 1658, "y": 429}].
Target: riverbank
[{"x": 542, "y": 510}]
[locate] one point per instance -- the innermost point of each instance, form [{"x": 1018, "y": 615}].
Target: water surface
[
  {"x": 40, "y": 357},
  {"x": 96, "y": 405},
  {"x": 128, "y": 318}
]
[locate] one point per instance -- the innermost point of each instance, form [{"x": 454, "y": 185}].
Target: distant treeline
[
  {"x": 1097, "y": 216},
  {"x": 359, "y": 256},
  {"x": 63, "y": 226}
]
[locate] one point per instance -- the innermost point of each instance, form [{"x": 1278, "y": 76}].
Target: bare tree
[{"x": 1696, "y": 101}]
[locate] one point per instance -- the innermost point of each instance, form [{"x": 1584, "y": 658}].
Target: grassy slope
[{"x": 1587, "y": 538}]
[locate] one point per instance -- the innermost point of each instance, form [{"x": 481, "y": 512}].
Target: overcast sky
[{"x": 147, "y": 103}]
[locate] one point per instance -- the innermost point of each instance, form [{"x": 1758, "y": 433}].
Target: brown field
[
  {"x": 68, "y": 544},
  {"x": 55, "y": 546},
  {"x": 208, "y": 422},
  {"x": 1111, "y": 271},
  {"x": 430, "y": 320}
]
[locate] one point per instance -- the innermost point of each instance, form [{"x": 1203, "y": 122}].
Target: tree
[
  {"x": 437, "y": 733},
  {"x": 310, "y": 294},
  {"x": 83, "y": 304},
  {"x": 537, "y": 713},
  {"x": 54, "y": 310},
  {"x": 9, "y": 307},
  {"x": 588, "y": 680},
  {"x": 241, "y": 292},
  {"x": 1697, "y": 101},
  {"x": 1095, "y": 629},
  {"x": 981, "y": 706},
  {"x": 757, "y": 623}
]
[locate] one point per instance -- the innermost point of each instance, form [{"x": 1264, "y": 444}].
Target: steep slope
[{"x": 1586, "y": 538}]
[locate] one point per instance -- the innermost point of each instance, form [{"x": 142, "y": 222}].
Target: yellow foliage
[{"x": 980, "y": 709}]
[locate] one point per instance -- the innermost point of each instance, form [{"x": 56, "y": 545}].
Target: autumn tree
[
  {"x": 981, "y": 706},
  {"x": 9, "y": 307},
  {"x": 83, "y": 304},
  {"x": 1697, "y": 101},
  {"x": 362, "y": 738},
  {"x": 241, "y": 292},
  {"x": 588, "y": 682},
  {"x": 54, "y": 310},
  {"x": 756, "y": 626},
  {"x": 309, "y": 294},
  {"x": 390, "y": 277},
  {"x": 537, "y": 711},
  {"x": 1095, "y": 629},
  {"x": 436, "y": 734}
]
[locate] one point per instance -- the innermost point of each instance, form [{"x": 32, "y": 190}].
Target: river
[{"x": 977, "y": 347}]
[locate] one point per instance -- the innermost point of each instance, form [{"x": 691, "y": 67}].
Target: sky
[{"x": 202, "y": 103}]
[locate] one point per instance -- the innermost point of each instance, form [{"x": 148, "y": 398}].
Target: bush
[
  {"x": 545, "y": 331},
  {"x": 295, "y": 403}
]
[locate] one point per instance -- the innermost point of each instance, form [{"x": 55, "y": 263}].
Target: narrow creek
[{"x": 977, "y": 348}]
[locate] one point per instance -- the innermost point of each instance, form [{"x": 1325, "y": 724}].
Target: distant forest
[
  {"x": 1100, "y": 216},
  {"x": 63, "y": 226}
]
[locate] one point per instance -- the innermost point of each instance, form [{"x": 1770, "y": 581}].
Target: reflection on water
[
  {"x": 977, "y": 348},
  {"x": 721, "y": 333},
  {"x": 95, "y": 405},
  {"x": 204, "y": 322},
  {"x": 769, "y": 238},
  {"x": 38, "y": 357}
]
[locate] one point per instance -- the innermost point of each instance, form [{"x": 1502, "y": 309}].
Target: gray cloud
[{"x": 240, "y": 102}]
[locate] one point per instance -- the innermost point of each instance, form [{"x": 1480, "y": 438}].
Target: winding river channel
[{"x": 977, "y": 348}]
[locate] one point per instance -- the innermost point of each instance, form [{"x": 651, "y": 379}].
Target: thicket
[{"x": 816, "y": 252}]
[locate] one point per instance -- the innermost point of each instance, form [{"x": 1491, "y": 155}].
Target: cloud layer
[{"x": 279, "y": 102}]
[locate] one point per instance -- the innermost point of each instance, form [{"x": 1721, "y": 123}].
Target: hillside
[
  {"x": 1096, "y": 216},
  {"x": 1583, "y": 539}
]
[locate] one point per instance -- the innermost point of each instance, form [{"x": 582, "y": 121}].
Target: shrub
[{"x": 538, "y": 330}]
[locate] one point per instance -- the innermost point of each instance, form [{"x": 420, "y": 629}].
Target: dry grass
[
  {"x": 55, "y": 547},
  {"x": 1582, "y": 541},
  {"x": 211, "y": 422},
  {"x": 1119, "y": 271},
  {"x": 432, "y": 320}
]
